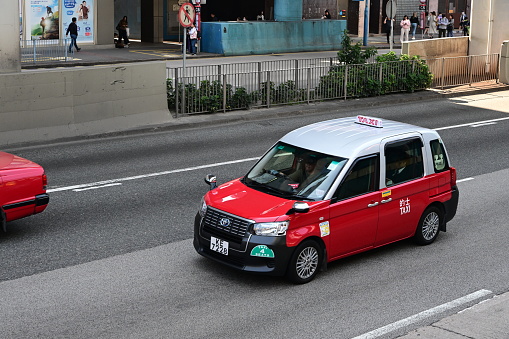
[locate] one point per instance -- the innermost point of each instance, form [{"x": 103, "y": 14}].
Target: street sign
[
  {"x": 186, "y": 15},
  {"x": 422, "y": 7},
  {"x": 390, "y": 9}
]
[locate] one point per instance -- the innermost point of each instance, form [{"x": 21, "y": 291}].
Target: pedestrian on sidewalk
[
  {"x": 432, "y": 23},
  {"x": 193, "y": 38},
  {"x": 73, "y": 31},
  {"x": 326, "y": 15},
  {"x": 442, "y": 26},
  {"x": 405, "y": 29},
  {"x": 466, "y": 26},
  {"x": 414, "y": 20},
  {"x": 122, "y": 28},
  {"x": 450, "y": 26},
  {"x": 387, "y": 29}
]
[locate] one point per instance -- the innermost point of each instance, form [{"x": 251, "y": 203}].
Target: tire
[
  {"x": 3, "y": 222},
  {"x": 429, "y": 226},
  {"x": 305, "y": 262}
]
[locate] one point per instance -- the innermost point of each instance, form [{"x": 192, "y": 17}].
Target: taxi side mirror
[
  {"x": 211, "y": 180},
  {"x": 299, "y": 207}
]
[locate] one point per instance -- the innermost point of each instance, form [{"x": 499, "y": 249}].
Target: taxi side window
[
  {"x": 440, "y": 162},
  {"x": 403, "y": 161},
  {"x": 362, "y": 178}
]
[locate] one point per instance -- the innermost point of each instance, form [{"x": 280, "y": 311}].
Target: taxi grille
[{"x": 226, "y": 226}]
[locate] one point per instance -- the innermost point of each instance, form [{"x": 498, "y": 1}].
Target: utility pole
[{"x": 366, "y": 24}]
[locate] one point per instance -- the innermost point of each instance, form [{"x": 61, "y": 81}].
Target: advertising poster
[
  {"x": 20, "y": 20},
  {"x": 84, "y": 13},
  {"x": 42, "y": 19}
]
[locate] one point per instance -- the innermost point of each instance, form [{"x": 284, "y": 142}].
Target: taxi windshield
[{"x": 294, "y": 173}]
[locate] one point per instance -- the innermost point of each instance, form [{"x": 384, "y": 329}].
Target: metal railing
[
  {"x": 216, "y": 88},
  {"x": 463, "y": 70},
  {"x": 54, "y": 50},
  {"x": 265, "y": 88}
]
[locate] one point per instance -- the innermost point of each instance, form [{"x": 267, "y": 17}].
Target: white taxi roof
[{"x": 346, "y": 138}]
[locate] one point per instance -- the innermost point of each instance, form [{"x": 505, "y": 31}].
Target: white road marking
[
  {"x": 485, "y": 124},
  {"x": 142, "y": 176},
  {"x": 471, "y": 124},
  {"x": 106, "y": 182},
  {"x": 424, "y": 315},
  {"x": 96, "y": 187},
  {"x": 466, "y": 179}
]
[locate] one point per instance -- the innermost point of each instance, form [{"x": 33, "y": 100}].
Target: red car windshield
[{"x": 295, "y": 173}]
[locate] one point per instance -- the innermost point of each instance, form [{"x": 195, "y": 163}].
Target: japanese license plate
[{"x": 219, "y": 245}]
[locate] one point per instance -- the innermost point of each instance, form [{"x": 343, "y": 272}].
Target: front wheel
[
  {"x": 429, "y": 226},
  {"x": 305, "y": 262}
]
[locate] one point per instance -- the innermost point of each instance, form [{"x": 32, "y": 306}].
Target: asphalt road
[{"x": 117, "y": 261}]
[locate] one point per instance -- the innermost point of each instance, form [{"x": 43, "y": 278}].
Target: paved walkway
[{"x": 489, "y": 318}]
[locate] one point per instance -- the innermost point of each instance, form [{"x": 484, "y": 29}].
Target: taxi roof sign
[{"x": 368, "y": 121}]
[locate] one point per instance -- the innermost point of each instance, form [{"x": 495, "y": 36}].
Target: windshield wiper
[
  {"x": 256, "y": 184},
  {"x": 298, "y": 197}
]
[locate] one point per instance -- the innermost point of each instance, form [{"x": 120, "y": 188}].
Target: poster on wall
[
  {"x": 42, "y": 19},
  {"x": 84, "y": 14},
  {"x": 20, "y": 20}
]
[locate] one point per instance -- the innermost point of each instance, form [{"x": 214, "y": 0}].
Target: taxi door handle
[
  {"x": 373, "y": 204},
  {"x": 386, "y": 201}
]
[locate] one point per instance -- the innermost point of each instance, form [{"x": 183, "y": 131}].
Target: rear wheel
[
  {"x": 305, "y": 262},
  {"x": 429, "y": 226},
  {"x": 3, "y": 221}
]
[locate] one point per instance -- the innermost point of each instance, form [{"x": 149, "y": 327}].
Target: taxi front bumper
[{"x": 245, "y": 255}]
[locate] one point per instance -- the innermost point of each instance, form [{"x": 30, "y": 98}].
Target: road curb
[{"x": 275, "y": 112}]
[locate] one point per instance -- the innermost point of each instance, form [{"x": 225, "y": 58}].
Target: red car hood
[
  {"x": 11, "y": 161},
  {"x": 236, "y": 198}
]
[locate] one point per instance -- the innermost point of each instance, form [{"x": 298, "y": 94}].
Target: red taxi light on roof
[{"x": 368, "y": 121}]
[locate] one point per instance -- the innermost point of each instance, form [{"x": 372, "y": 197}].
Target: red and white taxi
[
  {"x": 22, "y": 188},
  {"x": 327, "y": 191}
]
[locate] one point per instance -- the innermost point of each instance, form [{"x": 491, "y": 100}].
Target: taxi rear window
[{"x": 440, "y": 162}]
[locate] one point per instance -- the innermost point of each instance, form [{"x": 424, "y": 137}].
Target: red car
[{"x": 22, "y": 188}]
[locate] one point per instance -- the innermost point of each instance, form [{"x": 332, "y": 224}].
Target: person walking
[
  {"x": 432, "y": 23},
  {"x": 450, "y": 26},
  {"x": 122, "y": 31},
  {"x": 73, "y": 31},
  {"x": 442, "y": 26},
  {"x": 387, "y": 28},
  {"x": 405, "y": 29},
  {"x": 193, "y": 38},
  {"x": 414, "y": 21},
  {"x": 465, "y": 23}
]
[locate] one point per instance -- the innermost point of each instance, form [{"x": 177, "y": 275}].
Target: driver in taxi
[{"x": 308, "y": 173}]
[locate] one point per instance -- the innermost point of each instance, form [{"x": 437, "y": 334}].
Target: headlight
[
  {"x": 271, "y": 228},
  {"x": 203, "y": 207}
]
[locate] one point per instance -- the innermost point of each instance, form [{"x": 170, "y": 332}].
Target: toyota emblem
[{"x": 225, "y": 222}]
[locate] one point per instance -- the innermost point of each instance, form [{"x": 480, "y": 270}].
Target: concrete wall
[
  {"x": 105, "y": 27},
  {"x": 504, "y": 63},
  {"x": 63, "y": 103},
  {"x": 437, "y": 48},
  {"x": 241, "y": 38},
  {"x": 10, "y": 59},
  {"x": 489, "y": 26}
]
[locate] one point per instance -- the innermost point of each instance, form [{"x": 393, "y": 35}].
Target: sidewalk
[
  {"x": 141, "y": 51},
  {"x": 168, "y": 50},
  {"x": 487, "y": 319}
]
